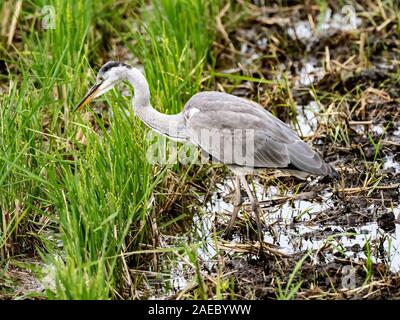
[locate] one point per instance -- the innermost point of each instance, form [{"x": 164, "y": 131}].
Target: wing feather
[{"x": 275, "y": 144}]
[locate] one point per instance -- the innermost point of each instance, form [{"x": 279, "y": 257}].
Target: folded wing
[{"x": 238, "y": 131}]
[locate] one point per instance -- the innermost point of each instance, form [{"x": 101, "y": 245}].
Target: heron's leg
[
  {"x": 237, "y": 204},
  {"x": 255, "y": 207}
]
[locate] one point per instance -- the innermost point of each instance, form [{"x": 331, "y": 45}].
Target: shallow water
[
  {"x": 309, "y": 73},
  {"x": 307, "y": 118},
  {"x": 301, "y": 236},
  {"x": 293, "y": 232},
  {"x": 292, "y": 225},
  {"x": 326, "y": 25}
]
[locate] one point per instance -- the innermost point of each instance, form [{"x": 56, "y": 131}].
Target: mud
[{"x": 342, "y": 98}]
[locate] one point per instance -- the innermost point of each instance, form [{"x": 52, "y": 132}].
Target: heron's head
[{"x": 108, "y": 76}]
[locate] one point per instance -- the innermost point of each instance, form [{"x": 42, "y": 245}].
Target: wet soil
[{"x": 334, "y": 81}]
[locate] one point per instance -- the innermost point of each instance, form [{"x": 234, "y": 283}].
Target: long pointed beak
[{"x": 89, "y": 96}]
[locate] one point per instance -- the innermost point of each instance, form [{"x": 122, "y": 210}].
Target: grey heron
[{"x": 272, "y": 143}]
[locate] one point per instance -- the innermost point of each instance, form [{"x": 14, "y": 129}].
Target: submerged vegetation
[{"x": 84, "y": 215}]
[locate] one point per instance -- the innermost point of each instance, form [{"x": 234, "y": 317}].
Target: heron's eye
[{"x": 101, "y": 78}]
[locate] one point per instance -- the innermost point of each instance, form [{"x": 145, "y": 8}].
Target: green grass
[
  {"x": 290, "y": 290},
  {"x": 76, "y": 191},
  {"x": 79, "y": 203},
  {"x": 175, "y": 49},
  {"x": 368, "y": 267}
]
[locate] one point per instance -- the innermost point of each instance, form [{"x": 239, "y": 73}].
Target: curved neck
[
  {"x": 141, "y": 87},
  {"x": 169, "y": 125}
]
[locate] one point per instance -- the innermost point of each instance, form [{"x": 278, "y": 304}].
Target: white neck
[
  {"x": 169, "y": 125},
  {"x": 142, "y": 91}
]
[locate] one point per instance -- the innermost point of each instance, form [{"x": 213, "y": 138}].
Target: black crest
[{"x": 112, "y": 64}]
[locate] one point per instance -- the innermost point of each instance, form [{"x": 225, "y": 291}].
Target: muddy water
[
  {"x": 298, "y": 226},
  {"x": 301, "y": 235},
  {"x": 295, "y": 226},
  {"x": 290, "y": 227}
]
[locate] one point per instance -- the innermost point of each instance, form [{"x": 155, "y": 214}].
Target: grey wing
[{"x": 248, "y": 134}]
